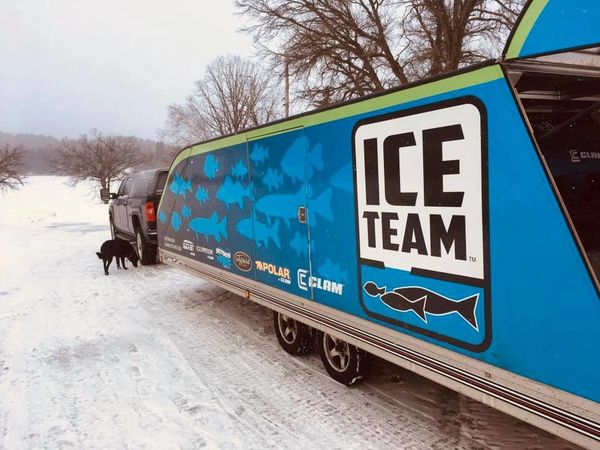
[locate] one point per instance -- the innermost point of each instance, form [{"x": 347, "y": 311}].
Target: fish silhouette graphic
[
  {"x": 283, "y": 206},
  {"x": 176, "y": 221},
  {"x": 273, "y": 179},
  {"x": 294, "y": 165},
  {"x": 186, "y": 211},
  {"x": 424, "y": 301},
  {"x": 201, "y": 195},
  {"x": 262, "y": 232},
  {"x": 342, "y": 179},
  {"x": 211, "y": 167},
  {"x": 320, "y": 207},
  {"x": 239, "y": 170},
  {"x": 332, "y": 271},
  {"x": 162, "y": 217},
  {"x": 179, "y": 185},
  {"x": 234, "y": 192},
  {"x": 259, "y": 154},
  {"x": 299, "y": 243},
  {"x": 209, "y": 227}
]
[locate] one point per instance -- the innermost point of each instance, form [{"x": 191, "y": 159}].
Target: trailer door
[{"x": 279, "y": 169}]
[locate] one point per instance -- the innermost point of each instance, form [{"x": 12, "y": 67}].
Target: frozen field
[{"x": 154, "y": 358}]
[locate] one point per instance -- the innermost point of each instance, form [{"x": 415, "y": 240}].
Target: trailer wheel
[
  {"x": 293, "y": 336},
  {"x": 344, "y": 362}
]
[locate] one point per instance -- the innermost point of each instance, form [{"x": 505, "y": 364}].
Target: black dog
[{"x": 118, "y": 249}]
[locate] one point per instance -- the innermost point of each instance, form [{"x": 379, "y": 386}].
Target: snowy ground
[{"x": 154, "y": 358}]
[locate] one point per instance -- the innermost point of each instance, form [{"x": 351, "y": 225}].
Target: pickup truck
[{"x": 132, "y": 210}]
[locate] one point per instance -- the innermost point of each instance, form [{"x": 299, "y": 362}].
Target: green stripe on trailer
[
  {"x": 448, "y": 84},
  {"x": 524, "y": 27}
]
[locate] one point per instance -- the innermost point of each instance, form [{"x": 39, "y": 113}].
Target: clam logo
[
  {"x": 420, "y": 190},
  {"x": 305, "y": 281}
]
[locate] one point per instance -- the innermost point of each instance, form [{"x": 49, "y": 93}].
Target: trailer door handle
[{"x": 302, "y": 214}]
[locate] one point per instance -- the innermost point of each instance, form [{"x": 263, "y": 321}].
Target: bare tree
[
  {"x": 233, "y": 95},
  {"x": 100, "y": 158},
  {"x": 11, "y": 167},
  {"x": 342, "y": 49}
]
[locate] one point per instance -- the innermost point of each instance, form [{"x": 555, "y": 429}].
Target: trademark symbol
[{"x": 472, "y": 258}]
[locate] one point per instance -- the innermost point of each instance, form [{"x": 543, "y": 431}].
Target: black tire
[
  {"x": 113, "y": 234},
  {"x": 344, "y": 362},
  {"x": 293, "y": 336},
  {"x": 145, "y": 250}
]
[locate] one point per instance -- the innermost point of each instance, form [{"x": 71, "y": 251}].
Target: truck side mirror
[{"x": 105, "y": 195}]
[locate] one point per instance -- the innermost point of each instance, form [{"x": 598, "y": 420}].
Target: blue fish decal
[
  {"x": 234, "y": 192},
  {"x": 333, "y": 271},
  {"x": 162, "y": 217},
  {"x": 201, "y": 194},
  {"x": 273, "y": 179},
  {"x": 186, "y": 211},
  {"x": 179, "y": 185},
  {"x": 283, "y": 206},
  {"x": 320, "y": 207},
  {"x": 424, "y": 302},
  {"x": 209, "y": 227},
  {"x": 176, "y": 221},
  {"x": 259, "y": 154},
  {"x": 342, "y": 179},
  {"x": 299, "y": 243},
  {"x": 262, "y": 232},
  {"x": 211, "y": 167},
  {"x": 239, "y": 170},
  {"x": 294, "y": 165}
]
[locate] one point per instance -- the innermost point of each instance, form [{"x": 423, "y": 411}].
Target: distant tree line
[{"x": 336, "y": 50}]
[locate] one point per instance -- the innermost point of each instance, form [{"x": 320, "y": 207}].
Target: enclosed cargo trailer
[{"x": 451, "y": 226}]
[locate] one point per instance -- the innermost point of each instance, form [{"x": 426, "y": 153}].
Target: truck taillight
[{"x": 150, "y": 212}]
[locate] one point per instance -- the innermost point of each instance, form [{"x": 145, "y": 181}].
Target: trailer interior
[{"x": 560, "y": 95}]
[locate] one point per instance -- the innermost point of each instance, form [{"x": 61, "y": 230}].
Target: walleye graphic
[
  {"x": 209, "y": 227},
  {"x": 285, "y": 206},
  {"x": 201, "y": 195},
  {"x": 162, "y": 217},
  {"x": 211, "y": 167},
  {"x": 343, "y": 179},
  {"x": 239, "y": 170},
  {"x": 273, "y": 179},
  {"x": 180, "y": 185},
  {"x": 294, "y": 165},
  {"x": 299, "y": 243},
  {"x": 333, "y": 271},
  {"x": 234, "y": 192},
  {"x": 186, "y": 212},
  {"x": 176, "y": 221},
  {"x": 261, "y": 233},
  {"x": 259, "y": 154},
  {"x": 423, "y": 301}
]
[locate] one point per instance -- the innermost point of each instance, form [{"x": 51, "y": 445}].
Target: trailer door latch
[{"x": 302, "y": 214}]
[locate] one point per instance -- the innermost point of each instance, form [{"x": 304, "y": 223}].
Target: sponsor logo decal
[
  {"x": 420, "y": 191},
  {"x": 282, "y": 273},
  {"x": 169, "y": 242},
  {"x": 189, "y": 246},
  {"x": 305, "y": 282},
  {"x": 242, "y": 261},
  {"x": 577, "y": 156},
  {"x": 223, "y": 258}
]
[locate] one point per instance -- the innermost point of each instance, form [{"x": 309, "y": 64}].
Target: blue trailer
[{"x": 451, "y": 226}]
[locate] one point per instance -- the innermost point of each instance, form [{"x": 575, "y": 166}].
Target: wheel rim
[
  {"x": 288, "y": 328},
  {"x": 337, "y": 352},
  {"x": 140, "y": 245}
]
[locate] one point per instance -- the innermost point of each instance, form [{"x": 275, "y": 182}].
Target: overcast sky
[{"x": 67, "y": 66}]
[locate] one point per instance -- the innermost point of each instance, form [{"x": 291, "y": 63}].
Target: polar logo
[
  {"x": 305, "y": 281},
  {"x": 420, "y": 181}
]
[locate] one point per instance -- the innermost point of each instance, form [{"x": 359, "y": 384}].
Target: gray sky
[{"x": 67, "y": 66}]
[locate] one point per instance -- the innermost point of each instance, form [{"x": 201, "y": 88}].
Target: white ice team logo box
[{"x": 419, "y": 181}]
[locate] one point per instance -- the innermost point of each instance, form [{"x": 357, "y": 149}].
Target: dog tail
[{"x": 99, "y": 255}]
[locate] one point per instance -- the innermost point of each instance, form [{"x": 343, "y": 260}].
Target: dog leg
[
  {"x": 108, "y": 264},
  {"x": 123, "y": 263},
  {"x": 105, "y": 266},
  {"x": 118, "y": 265}
]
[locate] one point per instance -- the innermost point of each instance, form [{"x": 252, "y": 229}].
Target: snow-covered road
[{"x": 154, "y": 358}]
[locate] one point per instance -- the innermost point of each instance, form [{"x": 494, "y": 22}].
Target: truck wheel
[
  {"x": 113, "y": 235},
  {"x": 293, "y": 336},
  {"x": 146, "y": 251},
  {"x": 344, "y": 362}
]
